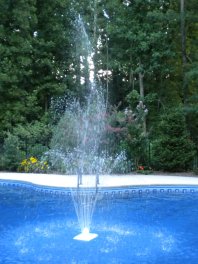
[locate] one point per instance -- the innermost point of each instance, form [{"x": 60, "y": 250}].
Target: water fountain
[{"x": 86, "y": 122}]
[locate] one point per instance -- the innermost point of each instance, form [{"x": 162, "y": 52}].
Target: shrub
[
  {"x": 12, "y": 153},
  {"x": 173, "y": 150},
  {"x": 125, "y": 133},
  {"x": 24, "y": 141}
]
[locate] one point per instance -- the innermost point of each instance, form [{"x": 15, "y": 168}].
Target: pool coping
[{"x": 110, "y": 181}]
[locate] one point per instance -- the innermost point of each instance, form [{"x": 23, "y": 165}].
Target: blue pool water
[{"x": 138, "y": 225}]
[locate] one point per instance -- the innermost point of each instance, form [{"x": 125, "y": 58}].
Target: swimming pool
[{"x": 151, "y": 224}]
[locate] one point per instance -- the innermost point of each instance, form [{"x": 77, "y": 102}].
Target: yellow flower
[
  {"x": 33, "y": 160},
  {"x": 24, "y": 162},
  {"x": 32, "y": 164}
]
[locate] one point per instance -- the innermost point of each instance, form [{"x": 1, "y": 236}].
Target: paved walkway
[{"x": 105, "y": 180}]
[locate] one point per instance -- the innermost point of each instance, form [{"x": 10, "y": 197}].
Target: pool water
[{"x": 147, "y": 228}]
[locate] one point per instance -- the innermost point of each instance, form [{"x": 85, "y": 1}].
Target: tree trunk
[
  {"x": 95, "y": 24},
  {"x": 183, "y": 32},
  {"x": 107, "y": 75},
  {"x": 46, "y": 103},
  {"x": 95, "y": 20},
  {"x": 183, "y": 49},
  {"x": 141, "y": 84},
  {"x": 131, "y": 74}
]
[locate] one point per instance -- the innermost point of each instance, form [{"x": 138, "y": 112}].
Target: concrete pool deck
[{"x": 70, "y": 181}]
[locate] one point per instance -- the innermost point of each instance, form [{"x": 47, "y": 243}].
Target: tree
[
  {"x": 17, "y": 20},
  {"x": 140, "y": 45},
  {"x": 52, "y": 50},
  {"x": 35, "y": 58}
]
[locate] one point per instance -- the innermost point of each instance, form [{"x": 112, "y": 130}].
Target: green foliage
[
  {"x": 25, "y": 141},
  {"x": 173, "y": 150},
  {"x": 34, "y": 133},
  {"x": 136, "y": 144},
  {"x": 12, "y": 154},
  {"x": 34, "y": 138},
  {"x": 140, "y": 41},
  {"x": 125, "y": 133},
  {"x": 133, "y": 98},
  {"x": 34, "y": 51}
]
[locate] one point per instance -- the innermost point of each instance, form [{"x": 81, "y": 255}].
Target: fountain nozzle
[{"x": 85, "y": 235}]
